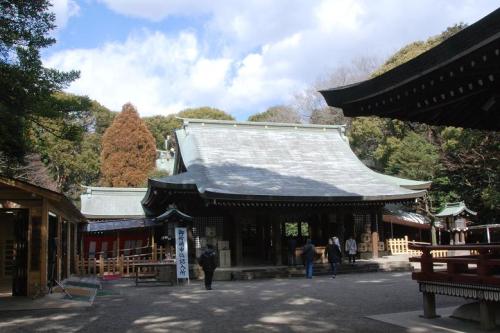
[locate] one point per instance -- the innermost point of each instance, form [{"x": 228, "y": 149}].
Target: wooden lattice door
[{"x": 20, "y": 269}]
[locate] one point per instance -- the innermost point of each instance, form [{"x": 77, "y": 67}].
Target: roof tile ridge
[{"x": 234, "y": 123}]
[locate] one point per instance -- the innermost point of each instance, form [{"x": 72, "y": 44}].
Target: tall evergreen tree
[
  {"x": 128, "y": 150},
  {"x": 26, "y": 87}
]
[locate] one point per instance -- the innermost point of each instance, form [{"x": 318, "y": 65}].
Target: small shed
[{"x": 38, "y": 237}]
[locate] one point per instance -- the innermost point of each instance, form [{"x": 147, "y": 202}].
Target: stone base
[{"x": 470, "y": 311}]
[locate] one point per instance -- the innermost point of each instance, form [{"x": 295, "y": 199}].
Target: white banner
[{"x": 181, "y": 253}]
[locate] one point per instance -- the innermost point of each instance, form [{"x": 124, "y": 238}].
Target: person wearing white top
[{"x": 351, "y": 249}]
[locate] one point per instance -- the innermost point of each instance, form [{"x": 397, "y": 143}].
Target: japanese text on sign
[{"x": 181, "y": 252}]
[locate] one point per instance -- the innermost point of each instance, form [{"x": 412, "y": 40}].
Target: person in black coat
[
  {"x": 208, "y": 262},
  {"x": 334, "y": 255}
]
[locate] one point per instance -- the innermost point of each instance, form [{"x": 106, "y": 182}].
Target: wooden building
[
  {"x": 399, "y": 221},
  {"x": 455, "y": 83},
  {"x": 116, "y": 222},
  {"x": 38, "y": 237},
  {"x": 254, "y": 186}
]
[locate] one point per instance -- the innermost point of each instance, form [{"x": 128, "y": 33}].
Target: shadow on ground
[{"x": 280, "y": 305}]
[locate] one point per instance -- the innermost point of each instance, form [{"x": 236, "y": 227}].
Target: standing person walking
[
  {"x": 208, "y": 263},
  {"x": 333, "y": 254},
  {"x": 351, "y": 248},
  {"x": 308, "y": 255}
]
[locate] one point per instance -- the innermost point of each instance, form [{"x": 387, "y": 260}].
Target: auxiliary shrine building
[{"x": 251, "y": 187}]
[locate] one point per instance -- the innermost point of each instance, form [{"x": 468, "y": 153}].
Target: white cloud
[
  {"x": 64, "y": 9},
  {"x": 251, "y": 55}
]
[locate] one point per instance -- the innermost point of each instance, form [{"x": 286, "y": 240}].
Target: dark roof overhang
[
  {"x": 456, "y": 83},
  {"x": 56, "y": 198}
]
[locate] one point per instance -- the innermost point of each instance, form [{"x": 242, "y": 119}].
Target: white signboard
[{"x": 181, "y": 253}]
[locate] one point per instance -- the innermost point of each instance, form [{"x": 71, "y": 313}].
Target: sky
[{"x": 238, "y": 56}]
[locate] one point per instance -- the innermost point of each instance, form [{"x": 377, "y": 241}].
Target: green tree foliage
[
  {"x": 328, "y": 116},
  {"x": 414, "y": 157},
  {"x": 365, "y": 136},
  {"x": 205, "y": 112},
  {"x": 414, "y": 49},
  {"x": 128, "y": 150},
  {"x": 27, "y": 89},
  {"x": 471, "y": 160},
  {"x": 161, "y": 127},
  {"x": 101, "y": 118},
  {"x": 277, "y": 114},
  {"x": 72, "y": 162}
]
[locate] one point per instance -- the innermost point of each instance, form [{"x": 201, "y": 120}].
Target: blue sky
[{"x": 241, "y": 57}]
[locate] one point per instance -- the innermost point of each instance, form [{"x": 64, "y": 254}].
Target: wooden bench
[{"x": 473, "y": 277}]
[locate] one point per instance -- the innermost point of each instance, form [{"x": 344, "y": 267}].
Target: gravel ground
[{"x": 322, "y": 304}]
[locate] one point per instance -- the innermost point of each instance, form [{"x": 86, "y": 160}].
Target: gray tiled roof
[
  {"x": 454, "y": 209},
  {"x": 242, "y": 160},
  {"x": 112, "y": 202},
  {"x": 109, "y": 225},
  {"x": 132, "y": 223}
]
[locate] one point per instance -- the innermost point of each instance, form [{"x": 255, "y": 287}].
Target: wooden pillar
[
  {"x": 75, "y": 241},
  {"x": 59, "y": 249},
  {"x": 68, "y": 249},
  {"x": 328, "y": 228},
  {"x": 277, "y": 241},
  {"x": 153, "y": 245},
  {"x": 44, "y": 254},
  {"x": 29, "y": 290},
  {"x": 429, "y": 301},
  {"x": 325, "y": 230},
  {"x": 375, "y": 236},
  {"x": 260, "y": 239},
  {"x": 118, "y": 244},
  {"x": 238, "y": 241},
  {"x": 340, "y": 221}
]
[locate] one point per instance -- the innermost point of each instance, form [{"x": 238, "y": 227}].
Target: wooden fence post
[
  {"x": 120, "y": 265},
  {"x": 101, "y": 267}
]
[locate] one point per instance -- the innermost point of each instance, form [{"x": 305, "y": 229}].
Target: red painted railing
[{"x": 483, "y": 267}]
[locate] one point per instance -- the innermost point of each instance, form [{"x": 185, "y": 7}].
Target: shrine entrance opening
[{"x": 14, "y": 252}]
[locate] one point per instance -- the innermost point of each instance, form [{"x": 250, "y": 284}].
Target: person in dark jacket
[
  {"x": 308, "y": 254},
  {"x": 208, "y": 263},
  {"x": 333, "y": 254}
]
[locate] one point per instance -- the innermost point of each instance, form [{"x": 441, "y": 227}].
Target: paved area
[
  {"x": 279, "y": 305},
  {"x": 444, "y": 324},
  {"x": 52, "y": 301}
]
